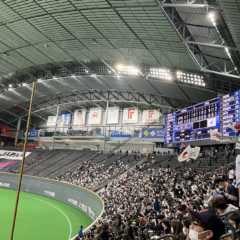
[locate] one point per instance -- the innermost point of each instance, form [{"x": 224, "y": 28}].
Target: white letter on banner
[
  {"x": 73, "y": 201},
  {"x": 91, "y": 213},
  {"x": 6, "y": 185},
  {"x": 49, "y": 193}
]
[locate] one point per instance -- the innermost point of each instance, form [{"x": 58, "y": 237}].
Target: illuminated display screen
[
  {"x": 193, "y": 123},
  {"x": 169, "y": 119},
  {"x": 230, "y": 113}
]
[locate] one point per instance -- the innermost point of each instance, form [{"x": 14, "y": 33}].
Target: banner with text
[
  {"x": 51, "y": 121},
  {"x": 150, "y": 116},
  {"x": 152, "y": 133},
  {"x": 12, "y": 155},
  {"x": 79, "y": 117},
  {"x": 113, "y": 115},
  {"x": 95, "y": 116},
  {"x": 66, "y": 118},
  {"x": 130, "y": 115},
  {"x": 120, "y": 134}
]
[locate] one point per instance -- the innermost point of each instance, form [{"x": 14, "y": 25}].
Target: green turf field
[{"x": 39, "y": 218}]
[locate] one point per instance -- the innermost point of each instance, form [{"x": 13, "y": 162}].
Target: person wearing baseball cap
[{"x": 205, "y": 225}]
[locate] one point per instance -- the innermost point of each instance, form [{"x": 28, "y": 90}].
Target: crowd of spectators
[
  {"x": 93, "y": 174},
  {"x": 148, "y": 203}
]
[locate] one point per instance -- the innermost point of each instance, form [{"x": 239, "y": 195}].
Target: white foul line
[{"x": 62, "y": 212}]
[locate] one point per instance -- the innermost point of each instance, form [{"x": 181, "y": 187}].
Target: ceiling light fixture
[
  {"x": 212, "y": 17},
  {"x": 128, "y": 69}
]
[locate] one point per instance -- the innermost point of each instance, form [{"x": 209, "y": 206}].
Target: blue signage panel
[
  {"x": 66, "y": 118},
  {"x": 152, "y": 133},
  {"x": 194, "y": 122},
  {"x": 120, "y": 134}
]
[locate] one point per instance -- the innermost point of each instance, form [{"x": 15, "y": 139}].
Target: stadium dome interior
[{"x": 120, "y": 119}]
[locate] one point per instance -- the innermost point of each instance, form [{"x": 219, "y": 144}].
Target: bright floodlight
[
  {"x": 179, "y": 74},
  {"x": 120, "y": 67},
  {"x": 132, "y": 70},
  {"x": 161, "y": 73},
  {"x": 212, "y": 17},
  {"x": 128, "y": 69},
  {"x": 10, "y": 85}
]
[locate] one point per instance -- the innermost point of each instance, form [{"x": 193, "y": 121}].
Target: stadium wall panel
[{"x": 77, "y": 197}]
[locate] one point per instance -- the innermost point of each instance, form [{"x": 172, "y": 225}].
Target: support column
[
  {"x": 105, "y": 125},
  {"x": 17, "y": 131},
  {"x": 55, "y": 128},
  {"x": 106, "y": 115}
]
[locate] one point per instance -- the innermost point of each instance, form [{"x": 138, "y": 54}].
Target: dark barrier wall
[{"x": 75, "y": 196}]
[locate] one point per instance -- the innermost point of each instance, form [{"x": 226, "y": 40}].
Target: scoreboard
[
  {"x": 193, "y": 123},
  {"x": 169, "y": 120},
  {"x": 230, "y": 113}
]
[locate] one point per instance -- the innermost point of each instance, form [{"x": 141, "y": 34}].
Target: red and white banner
[
  {"x": 113, "y": 115},
  {"x": 130, "y": 115},
  {"x": 51, "y": 121},
  {"x": 150, "y": 116},
  {"x": 79, "y": 117},
  {"x": 189, "y": 153},
  {"x": 95, "y": 116}
]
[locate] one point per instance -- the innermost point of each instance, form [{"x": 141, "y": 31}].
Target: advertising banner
[
  {"x": 130, "y": 115},
  {"x": 120, "y": 134},
  {"x": 150, "y": 116},
  {"x": 12, "y": 155},
  {"x": 95, "y": 116},
  {"x": 153, "y": 133},
  {"x": 113, "y": 115},
  {"x": 33, "y": 133},
  {"x": 66, "y": 118},
  {"x": 79, "y": 117}
]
